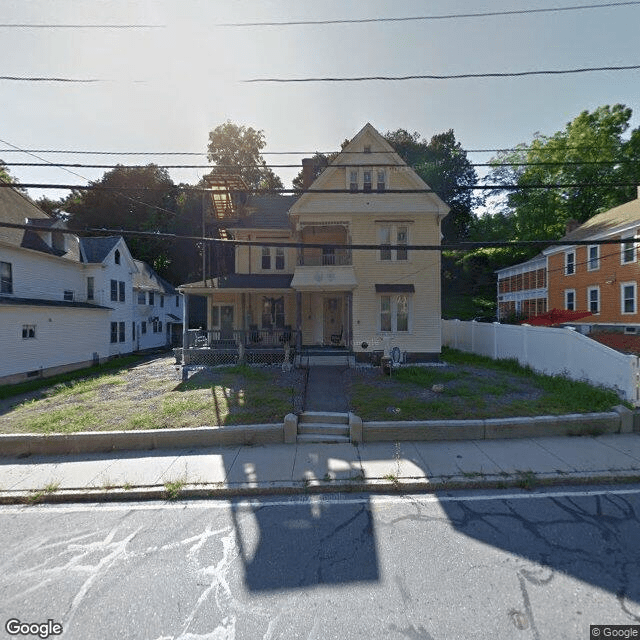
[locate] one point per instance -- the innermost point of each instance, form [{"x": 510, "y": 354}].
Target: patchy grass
[
  {"x": 149, "y": 395},
  {"x": 473, "y": 387},
  {"x": 64, "y": 420},
  {"x": 174, "y": 488},
  {"x": 117, "y": 364}
]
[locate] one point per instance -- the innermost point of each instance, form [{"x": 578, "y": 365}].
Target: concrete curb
[
  {"x": 573, "y": 424},
  {"x": 373, "y": 485},
  {"x": 107, "y": 441},
  {"x": 621, "y": 420}
]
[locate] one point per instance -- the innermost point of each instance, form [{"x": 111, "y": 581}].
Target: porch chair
[
  {"x": 254, "y": 333},
  {"x": 336, "y": 338},
  {"x": 286, "y": 334}
]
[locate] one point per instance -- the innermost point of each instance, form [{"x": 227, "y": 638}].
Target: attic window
[
  {"x": 367, "y": 149},
  {"x": 117, "y": 256}
]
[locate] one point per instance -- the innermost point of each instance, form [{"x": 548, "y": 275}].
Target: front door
[
  {"x": 226, "y": 322},
  {"x": 333, "y": 321}
]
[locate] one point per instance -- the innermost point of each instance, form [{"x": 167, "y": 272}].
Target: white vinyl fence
[{"x": 549, "y": 350}]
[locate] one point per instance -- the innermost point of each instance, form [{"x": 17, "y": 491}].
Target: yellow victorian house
[{"x": 303, "y": 279}]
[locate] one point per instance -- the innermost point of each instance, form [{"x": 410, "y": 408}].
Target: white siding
[{"x": 63, "y": 336}]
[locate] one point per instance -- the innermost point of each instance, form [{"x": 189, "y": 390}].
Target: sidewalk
[{"x": 300, "y": 468}]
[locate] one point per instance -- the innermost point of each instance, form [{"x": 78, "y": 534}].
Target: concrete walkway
[
  {"x": 325, "y": 390},
  {"x": 267, "y": 469}
]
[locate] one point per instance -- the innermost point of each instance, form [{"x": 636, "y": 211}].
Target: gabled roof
[
  {"x": 146, "y": 279},
  {"x": 608, "y": 222},
  {"x": 265, "y": 212},
  {"x": 97, "y": 249},
  {"x": 379, "y": 152},
  {"x": 16, "y": 208}
]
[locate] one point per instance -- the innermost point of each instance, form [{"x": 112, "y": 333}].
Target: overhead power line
[
  {"x": 450, "y": 16},
  {"x": 264, "y": 153},
  {"x": 134, "y": 200},
  {"x": 434, "y": 163},
  {"x": 465, "y": 245},
  {"x": 373, "y": 192},
  {"x": 458, "y": 76},
  {"x": 51, "y": 79},
  {"x": 30, "y": 25}
]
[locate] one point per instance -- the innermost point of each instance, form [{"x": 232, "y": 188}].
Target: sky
[{"x": 166, "y": 88}]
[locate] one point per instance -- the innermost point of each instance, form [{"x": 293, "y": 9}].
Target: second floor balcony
[{"x": 314, "y": 257}]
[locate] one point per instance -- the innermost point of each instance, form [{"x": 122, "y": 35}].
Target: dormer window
[
  {"x": 366, "y": 183},
  {"x": 117, "y": 256}
]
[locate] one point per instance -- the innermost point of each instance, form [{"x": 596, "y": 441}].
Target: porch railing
[
  {"x": 232, "y": 339},
  {"x": 337, "y": 258}
]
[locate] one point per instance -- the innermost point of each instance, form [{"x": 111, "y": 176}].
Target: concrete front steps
[
  {"x": 323, "y": 426},
  {"x": 325, "y": 358}
]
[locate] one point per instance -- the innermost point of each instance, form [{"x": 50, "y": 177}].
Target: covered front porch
[{"x": 265, "y": 324}]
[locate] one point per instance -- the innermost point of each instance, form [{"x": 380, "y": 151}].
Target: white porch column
[{"x": 185, "y": 320}]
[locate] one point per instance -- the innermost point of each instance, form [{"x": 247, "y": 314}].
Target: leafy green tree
[
  {"x": 235, "y": 147},
  {"x": 591, "y": 154},
  {"x": 131, "y": 198},
  {"x": 443, "y": 164}
]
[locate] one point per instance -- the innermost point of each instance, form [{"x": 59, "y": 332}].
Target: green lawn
[
  {"x": 472, "y": 387},
  {"x": 148, "y": 395}
]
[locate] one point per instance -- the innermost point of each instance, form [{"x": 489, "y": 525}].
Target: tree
[
  {"x": 443, "y": 164},
  {"x": 590, "y": 153},
  {"x": 6, "y": 176},
  {"x": 130, "y": 198},
  {"x": 237, "y": 148},
  {"x": 53, "y": 207}
]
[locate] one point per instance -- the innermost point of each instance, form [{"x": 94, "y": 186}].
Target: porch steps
[
  {"x": 323, "y": 426},
  {"x": 319, "y": 358}
]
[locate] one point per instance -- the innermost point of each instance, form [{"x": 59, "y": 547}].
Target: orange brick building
[{"x": 600, "y": 278}]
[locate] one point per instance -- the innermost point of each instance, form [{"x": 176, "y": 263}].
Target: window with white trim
[
  {"x": 152, "y": 298},
  {"x": 28, "y": 331},
  {"x": 593, "y": 253},
  {"x": 279, "y": 258},
  {"x": 570, "y": 299},
  {"x": 593, "y": 299},
  {"x": 628, "y": 297},
  {"x": 569, "y": 263},
  {"x": 142, "y": 297},
  {"x": 114, "y": 332},
  {"x": 627, "y": 251},
  {"x": 114, "y": 291},
  {"x": 393, "y": 238},
  {"x": 121, "y": 291},
  {"x": 366, "y": 180},
  {"x": 381, "y": 183},
  {"x": 353, "y": 180},
  {"x": 395, "y": 313},
  {"x": 266, "y": 258},
  {"x": 6, "y": 278}
]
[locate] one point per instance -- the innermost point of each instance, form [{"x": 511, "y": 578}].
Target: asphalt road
[{"x": 488, "y": 565}]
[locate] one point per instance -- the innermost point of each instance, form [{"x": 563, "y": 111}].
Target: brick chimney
[
  {"x": 571, "y": 225},
  {"x": 308, "y": 166}
]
